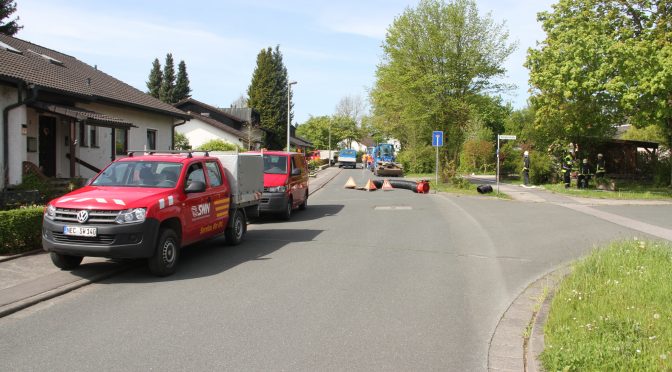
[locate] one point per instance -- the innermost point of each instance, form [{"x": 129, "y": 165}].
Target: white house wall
[{"x": 199, "y": 132}]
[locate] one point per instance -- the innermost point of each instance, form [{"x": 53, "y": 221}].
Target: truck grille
[
  {"x": 103, "y": 239},
  {"x": 95, "y": 216}
]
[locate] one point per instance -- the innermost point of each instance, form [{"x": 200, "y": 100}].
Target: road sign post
[
  {"x": 437, "y": 141},
  {"x": 501, "y": 137}
]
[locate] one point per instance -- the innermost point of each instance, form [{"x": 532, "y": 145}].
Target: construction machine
[{"x": 384, "y": 161}]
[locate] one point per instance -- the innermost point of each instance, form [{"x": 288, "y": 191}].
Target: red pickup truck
[{"x": 150, "y": 205}]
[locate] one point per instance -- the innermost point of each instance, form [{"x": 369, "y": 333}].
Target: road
[{"x": 384, "y": 280}]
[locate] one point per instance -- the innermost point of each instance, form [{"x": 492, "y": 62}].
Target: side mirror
[
  {"x": 195, "y": 186},
  {"x": 296, "y": 171}
]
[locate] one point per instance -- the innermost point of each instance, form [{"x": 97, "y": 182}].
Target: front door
[{"x": 47, "y": 146}]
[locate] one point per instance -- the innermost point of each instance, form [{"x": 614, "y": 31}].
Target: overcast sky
[{"x": 330, "y": 47}]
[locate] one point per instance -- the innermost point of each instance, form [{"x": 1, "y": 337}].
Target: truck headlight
[
  {"x": 277, "y": 189},
  {"x": 135, "y": 215},
  {"x": 50, "y": 212}
]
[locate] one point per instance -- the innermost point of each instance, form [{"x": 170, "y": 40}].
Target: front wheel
[
  {"x": 164, "y": 260},
  {"x": 234, "y": 234},
  {"x": 287, "y": 214},
  {"x": 65, "y": 262}
]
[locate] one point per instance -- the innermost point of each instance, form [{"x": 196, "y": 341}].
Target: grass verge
[
  {"x": 627, "y": 191},
  {"x": 463, "y": 187},
  {"x": 614, "y": 311}
]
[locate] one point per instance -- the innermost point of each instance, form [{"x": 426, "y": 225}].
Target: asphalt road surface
[{"x": 384, "y": 280}]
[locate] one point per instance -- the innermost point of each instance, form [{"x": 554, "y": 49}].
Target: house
[
  {"x": 239, "y": 127},
  {"x": 69, "y": 119}
]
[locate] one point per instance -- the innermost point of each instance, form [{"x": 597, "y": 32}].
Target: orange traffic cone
[
  {"x": 350, "y": 184},
  {"x": 387, "y": 185},
  {"x": 370, "y": 186}
]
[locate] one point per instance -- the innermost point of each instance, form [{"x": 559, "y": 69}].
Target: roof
[
  {"x": 209, "y": 107},
  {"x": 84, "y": 116},
  {"x": 217, "y": 124},
  {"x": 298, "y": 141},
  {"x": 54, "y": 71}
]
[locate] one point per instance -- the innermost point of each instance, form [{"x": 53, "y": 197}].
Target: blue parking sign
[{"x": 437, "y": 138}]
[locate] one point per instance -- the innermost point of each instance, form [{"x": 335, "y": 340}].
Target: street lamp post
[{"x": 289, "y": 109}]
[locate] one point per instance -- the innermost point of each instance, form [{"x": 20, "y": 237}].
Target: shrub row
[{"x": 20, "y": 229}]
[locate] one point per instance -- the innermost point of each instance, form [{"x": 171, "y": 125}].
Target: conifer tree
[
  {"x": 155, "y": 78},
  {"x": 268, "y": 95},
  {"x": 7, "y": 8},
  {"x": 168, "y": 81},
  {"x": 182, "y": 88}
]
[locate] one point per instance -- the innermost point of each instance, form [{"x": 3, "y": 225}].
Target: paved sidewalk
[{"x": 28, "y": 279}]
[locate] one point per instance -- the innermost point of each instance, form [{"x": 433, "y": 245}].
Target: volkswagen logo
[{"x": 82, "y": 216}]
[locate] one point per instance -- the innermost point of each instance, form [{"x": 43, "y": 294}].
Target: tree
[
  {"x": 168, "y": 81},
  {"x": 352, "y": 107},
  {"x": 155, "y": 78},
  {"x": 268, "y": 95},
  {"x": 603, "y": 63},
  {"x": 181, "y": 142},
  {"x": 7, "y": 8},
  {"x": 182, "y": 89},
  {"x": 316, "y": 130},
  {"x": 345, "y": 128},
  {"x": 437, "y": 59},
  {"x": 240, "y": 102}
]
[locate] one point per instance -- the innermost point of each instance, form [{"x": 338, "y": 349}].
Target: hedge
[{"x": 21, "y": 230}]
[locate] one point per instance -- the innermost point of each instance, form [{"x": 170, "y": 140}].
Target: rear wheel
[
  {"x": 65, "y": 262},
  {"x": 234, "y": 234},
  {"x": 287, "y": 214},
  {"x": 164, "y": 261},
  {"x": 303, "y": 205}
]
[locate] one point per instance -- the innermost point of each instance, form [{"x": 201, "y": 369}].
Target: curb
[
  {"x": 23, "y": 254},
  {"x": 510, "y": 349},
  {"x": 30, "y": 301}
]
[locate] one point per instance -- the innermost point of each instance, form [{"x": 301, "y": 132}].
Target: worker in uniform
[
  {"x": 584, "y": 175},
  {"x": 365, "y": 161},
  {"x": 526, "y": 168},
  {"x": 600, "y": 169},
  {"x": 567, "y": 168}
]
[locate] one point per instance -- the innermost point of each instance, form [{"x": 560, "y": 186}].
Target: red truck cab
[
  {"x": 146, "y": 206},
  {"x": 285, "y": 183}
]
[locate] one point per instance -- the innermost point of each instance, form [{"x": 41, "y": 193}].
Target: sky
[{"x": 331, "y": 48}]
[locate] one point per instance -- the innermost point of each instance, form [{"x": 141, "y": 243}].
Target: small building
[
  {"x": 64, "y": 118},
  {"x": 207, "y": 122}
]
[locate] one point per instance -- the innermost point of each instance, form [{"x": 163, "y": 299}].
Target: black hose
[{"x": 399, "y": 184}]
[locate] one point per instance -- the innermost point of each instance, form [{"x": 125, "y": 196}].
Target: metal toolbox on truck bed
[{"x": 245, "y": 173}]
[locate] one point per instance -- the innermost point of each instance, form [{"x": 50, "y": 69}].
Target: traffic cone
[
  {"x": 350, "y": 184},
  {"x": 370, "y": 186},
  {"x": 387, "y": 185}
]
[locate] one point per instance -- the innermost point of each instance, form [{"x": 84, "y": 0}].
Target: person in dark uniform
[
  {"x": 526, "y": 168},
  {"x": 567, "y": 168},
  {"x": 584, "y": 175},
  {"x": 600, "y": 168}
]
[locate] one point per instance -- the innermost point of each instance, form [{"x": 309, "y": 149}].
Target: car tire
[
  {"x": 287, "y": 213},
  {"x": 65, "y": 262},
  {"x": 234, "y": 234},
  {"x": 166, "y": 255},
  {"x": 304, "y": 205}
]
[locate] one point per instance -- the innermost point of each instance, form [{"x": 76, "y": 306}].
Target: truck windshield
[
  {"x": 386, "y": 150},
  {"x": 139, "y": 174},
  {"x": 275, "y": 164}
]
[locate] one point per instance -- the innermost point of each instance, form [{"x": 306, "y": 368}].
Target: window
[
  {"x": 195, "y": 173},
  {"x": 151, "y": 139},
  {"x": 93, "y": 136},
  {"x": 121, "y": 141},
  {"x": 214, "y": 175},
  {"x": 82, "y": 135}
]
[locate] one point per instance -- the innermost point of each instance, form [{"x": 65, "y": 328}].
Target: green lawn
[
  {"x": 624, "y": 191},
  {"x": 614, "y": 311}
]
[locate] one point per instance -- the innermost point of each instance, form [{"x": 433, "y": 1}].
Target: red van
[{"x": 285, "y": 183}]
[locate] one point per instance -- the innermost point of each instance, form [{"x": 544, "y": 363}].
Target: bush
[
  {"x": 661, "y": 172},
  {"x": 218, "y": 145},
  {"x": 542, "y": 169},
  {"x": 46, "y": 190},
  {"x": 418, "y": 160},
  {"x": 477, "y": 156},
  {"x": 21, "y": 229}
]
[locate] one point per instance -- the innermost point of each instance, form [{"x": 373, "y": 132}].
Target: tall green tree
[
  {"x": 182, "y": 89},
  {"x": 603, "y": 63},
  {"x": 437, "y": 58},
  {"x": 155, "y": 78},
  {"x": 316, "y": 129},
  {"x": 168, "y": 81},
  {"x": 8, "y": 27},
  {"x": 267, "y": 94}
]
